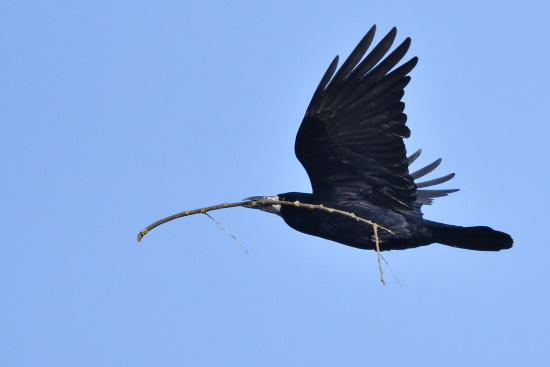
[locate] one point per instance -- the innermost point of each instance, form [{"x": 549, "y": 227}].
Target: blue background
[{"x": 117, "y": 113}]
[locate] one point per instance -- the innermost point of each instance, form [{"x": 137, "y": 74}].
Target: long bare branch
[
  {"x": 207, "y": 209},
  {"x": 255, "y": 203}
]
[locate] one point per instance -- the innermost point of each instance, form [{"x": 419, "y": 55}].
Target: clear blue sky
[{"x": 117, "y": 113}]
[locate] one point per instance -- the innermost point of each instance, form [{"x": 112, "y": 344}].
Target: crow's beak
[{"x": 266, "y": 207}]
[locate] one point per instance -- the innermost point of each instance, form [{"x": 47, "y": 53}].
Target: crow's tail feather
[{"x": 470, "y": 238}]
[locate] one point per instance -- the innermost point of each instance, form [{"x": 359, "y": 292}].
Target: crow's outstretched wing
[{"x": 351, "y": 139}]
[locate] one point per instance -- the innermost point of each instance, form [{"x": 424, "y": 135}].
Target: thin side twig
[
  {"x": 391, "y": 271},
  {"x": 377, "y": 242},
  {"x": 229, "y": 233}
]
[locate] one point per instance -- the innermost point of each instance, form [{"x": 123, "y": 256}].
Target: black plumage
[{"x": 351, "y": 144}]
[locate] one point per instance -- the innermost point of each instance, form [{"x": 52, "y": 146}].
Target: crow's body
[
  {"x": 351, "y": 144},
  {"x": 348, "y": 230},
  {"x": 410, "y": 229}
]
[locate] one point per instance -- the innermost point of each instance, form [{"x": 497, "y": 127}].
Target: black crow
[{"x": 351, "y": 144}]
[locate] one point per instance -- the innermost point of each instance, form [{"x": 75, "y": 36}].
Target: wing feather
[{"x": 425, "y": 197}]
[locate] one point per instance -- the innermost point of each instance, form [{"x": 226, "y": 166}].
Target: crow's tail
[{"x": 470, "y": 238}]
